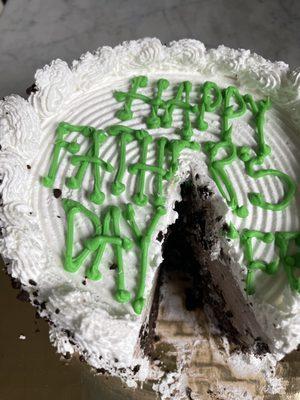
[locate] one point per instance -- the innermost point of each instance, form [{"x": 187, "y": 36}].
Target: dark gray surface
[{"x": 33, "y": 32}]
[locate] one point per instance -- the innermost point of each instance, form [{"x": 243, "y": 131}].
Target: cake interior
[{"x": 205, "y": 284}]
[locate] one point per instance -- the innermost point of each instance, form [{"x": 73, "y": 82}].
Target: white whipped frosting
[{"x": 33, "y": 221}]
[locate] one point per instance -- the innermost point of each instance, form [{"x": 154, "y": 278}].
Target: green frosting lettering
[
  {"x": 262, "y": 152},
  {"x": 271, "y": 268},
  {"x": 97, "y": 137},
  {"x": 143, "y": 242},
  {"x": 97, "y": 244}
]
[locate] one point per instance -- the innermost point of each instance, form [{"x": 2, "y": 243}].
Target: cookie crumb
[
  {"x": 160, "y": 236},
  {"x": 57, "y": 193}
]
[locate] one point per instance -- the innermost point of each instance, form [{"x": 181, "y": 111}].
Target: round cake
[{"x": 151, "y": 183}]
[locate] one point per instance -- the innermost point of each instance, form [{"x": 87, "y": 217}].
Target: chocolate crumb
[
  {"x": 36, "y": 303},
  {"x": 32, "y": 282},
  {"x": 43, "y": 305},
  {"x": 58, "y": 216},
  {"x": 160, "y": 236},
  {"x": 56, "y": 193},
  {"x": 15, "y": 284},
  {"x": 81, "y": 358},
  {"x": 188, "y": 392},
  {"x": 67, "y": 355},
  {"x": 113, "y": 266},
  {"x": 28, "y": 166},
  {"x": 32, "y": 89},
  {"x": 68, "y": 333},
  {"x": 100, "y": 371},
  {"x": 225, "y": 227},
  {"x": 136, "y": 369},
  {"x": 35, "y": 293},
  {"x": 261, "y": 347},
  {"x": 23, "y": 296}
]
